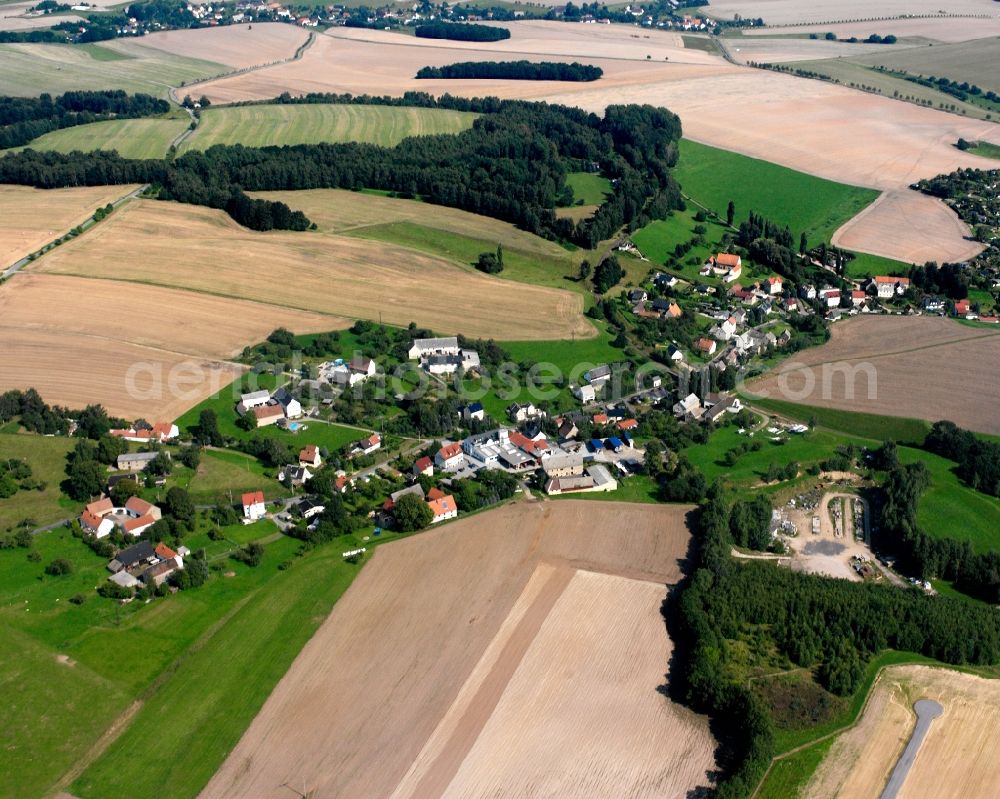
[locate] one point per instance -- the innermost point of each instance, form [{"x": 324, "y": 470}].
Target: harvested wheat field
[
  {"x": 957, "y": 758},
  {"x": 782, "y": 50},
  {"x": 133, "y": 348},
  {"x": 515, "y": 653},
  {"x": 911, "y": 227},
  {"x": 203, "y": 250},
  {"x": 235, "y": 46},
  {"x": 918, "y": 367},
  {"x": 31, "y": 218}
]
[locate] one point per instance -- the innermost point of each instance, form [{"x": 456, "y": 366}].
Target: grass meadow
[
  {"x": 588, "y": 187},
  {"x": 713, "y": 177},
  {"x": 263, "y": 125},
  {"x": 47, "y": 457},
  {"x": 27, "y": 70},
  {"x": 986, "y": 150},
  {"x": 132, "y": 138}
]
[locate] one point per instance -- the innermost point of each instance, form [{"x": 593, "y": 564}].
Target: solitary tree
[
  {"x": 730, "y": 213},
  {"x": 803, "y": 244}
]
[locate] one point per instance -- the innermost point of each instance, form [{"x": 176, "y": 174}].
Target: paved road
[
  {"x": 927, "y": 710},
  {"x": 15, "y": 268}
]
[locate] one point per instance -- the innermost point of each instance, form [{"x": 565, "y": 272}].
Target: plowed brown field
[
  {"x": 924, "y": 367},
  {"x": 515, "y": 653},
  {"x": 138, "y": 350}
]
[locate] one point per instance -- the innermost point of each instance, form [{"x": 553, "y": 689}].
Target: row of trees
[
  {"x": 514, "y": 70},
  {"x": 25, "y": 118},
  {"x": 978, "y": 460}
]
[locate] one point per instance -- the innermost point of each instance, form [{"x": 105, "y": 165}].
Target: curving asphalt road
[{"x": 927, "y": 710}]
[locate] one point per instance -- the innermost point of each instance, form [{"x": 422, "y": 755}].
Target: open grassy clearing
[
  {"x": 865, "y": 265},
  {"x": 134, "y": 362},
  {"x": 589, "y": 187},
  {"x": 223, "y": 475},
  {"x": 866, "y": 425},
  {"x": 31, "y": 218},
  {"x": 28, "y": 70},
  {"x": 805, "y": 203},
  {"x": 950, "y": 762},
  {"x": 264, "y": 125},
  {"x": 908, "y": 367},
  {"x": 316, "y": 272},
  {"x": 47, "y": 458},
  {"x": 789, "y": 775},
  {"x": 132, "y": 138},
  {"x": 510, "y": 586},
  {"x": 436, "y": 230}
]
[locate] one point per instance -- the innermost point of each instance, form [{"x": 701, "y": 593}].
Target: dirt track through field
[
  {"x": 534, "y": 625},
  {"x": 918, "y": 367}
]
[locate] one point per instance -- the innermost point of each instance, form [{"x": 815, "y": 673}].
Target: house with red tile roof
[
  {"x": 450, "y": 457},
  {"x": 309, "y": 456},
  {"x": 265, "y": 415},
  {"x": 368, "y": 445},
  {"x": 253, "y": 506},
  {"x": 442, "y": 508},
  {"x": 628, "y": 424},
  {"x": 423, "y": 466},
  {"x": 773, "y": 285},
  {"x": 100, "y": 526},
  {"x": 160, "y": 432}
]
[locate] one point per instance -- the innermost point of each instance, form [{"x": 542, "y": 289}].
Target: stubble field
[
  {"x": 139, "y": 350},
  {"x": 939, "y": 29},
  {"x": 915, "y": 367},
  {"x": 494, "y": 663},
  {"x": 789, "y": 12},
  {"x": 31, "y": 218},
  {"x": 203, "y": 250},
  {"x": 236, "y": 46},
  {"x": 956, "y": 759}
]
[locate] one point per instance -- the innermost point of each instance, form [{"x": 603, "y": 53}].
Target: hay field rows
[
  {"x": 502, "y": 606},
  {"x": 263, "y": 125},
  {"x": 138, "y": 350},
  {"x": 132, "y": 138},
  {"x": 910, "y": 227},
  {"x": 918, "y": 367},
  {"x": 31, "y": 218},
  {"x": 27, "y": 70},
  {"x": 957, "y": 758},
  {"x": 202, "y": 250}
]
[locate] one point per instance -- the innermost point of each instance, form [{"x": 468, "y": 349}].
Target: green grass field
[
  {"x": 588, "y": 187},
  {"x": 262, "y": 125},
  {"x": 790, "y": 774},
  {"x": 201, "y": 662},
  {"x": 864, "y": 425},
  {"x": 132, "y": 138},
  {"x": 818, "y": 207},
  {"x": 950, "y": 509},
  {"x": 27, "y": 70},
  {"x": 986, "y": 150},
  {"x": 222, "y": 474},
  {"x": 47, "y": 458},
  {"x": 866, "y": 265},
  {"x": 198, "y": 712},
  {"x": 960, "y": 61}
]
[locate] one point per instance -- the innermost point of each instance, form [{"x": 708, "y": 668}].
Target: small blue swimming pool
[{"x": 293, "y": 426}]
